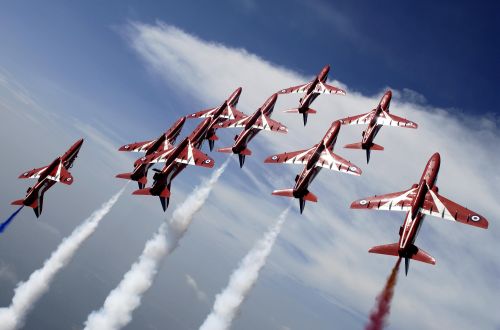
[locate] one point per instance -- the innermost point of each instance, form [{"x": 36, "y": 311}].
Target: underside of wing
[
  {"x": 441, "y": 207},
  {"x": 388, "y": 119},
  {"x": 334, "y": 162},
  {"x": 233, "y": 123},
  {"x": 324, "y": 88},
  {"x": 60, "y": 174},
  {"x": 137, "y": 146},
  {"x": 296, "y": 89},
  {"x": 293, "y": 157},
  {"x": 362, "y": 119},
  {"x": 398, "y": 201},
  {"x": 193, "y": 156},
  {"x": 232, "y": 113},
  {"x": 33, "y": 174},
  {"x": 268, "y": 124}
]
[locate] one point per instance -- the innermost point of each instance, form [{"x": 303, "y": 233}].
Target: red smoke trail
[{"x": 382, "y": 309}]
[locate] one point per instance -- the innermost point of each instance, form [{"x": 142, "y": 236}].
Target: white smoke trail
[
  {"x": 117, "y": 309},
  {"x": 228, "y": 302},
  {"x": 27, "y": 293}
]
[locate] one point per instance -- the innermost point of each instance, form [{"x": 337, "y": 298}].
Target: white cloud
[{"x": 461, "y": 290}]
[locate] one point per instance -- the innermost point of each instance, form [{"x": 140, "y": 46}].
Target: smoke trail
[
  {"x": 228, "y": 302},
  {"x": 27, "y": 293},
  {"x": 4, "y": 224},
  {"x": 117, "y": 309},
  {"x": 382, "y": 309}
]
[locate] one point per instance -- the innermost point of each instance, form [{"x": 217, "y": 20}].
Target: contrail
[
  {"x": 27, "y": 293},
  {"x": 228, "y": 302},
  {"x": 4, "y": 224},
  {"x": 381, "y": 311},
  {"x": 117, "y": 309}
]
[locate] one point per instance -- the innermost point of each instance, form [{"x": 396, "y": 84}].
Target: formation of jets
[{"x": 420, "y": 200}]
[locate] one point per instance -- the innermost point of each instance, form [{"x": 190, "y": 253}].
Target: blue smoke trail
[{"x": 7, "y": 222}]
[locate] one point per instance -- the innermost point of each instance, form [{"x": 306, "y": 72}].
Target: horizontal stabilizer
[
  {"x": 414, "y": 252},
  {"x": 388, "y": 249},
  {"x": 227, "y": 150},
  {"x": 18, "y": 202},
  {"x": 127, "y": 176},
  {"x": 284, "y": 192},
  {"x": 296, "y": 110},
  {"x": 310, "y": 197},
  {"x": 147, "y": 191},
  {"x": 360, "y": 146},
  {"x": 246, "y": 152}
]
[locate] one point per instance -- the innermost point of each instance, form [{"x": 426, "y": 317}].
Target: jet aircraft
[
  {"x": 420, "y": 200},
  {"x": 225, "y": 111},
  {"x": 319, "y": 156},
  {"x": 259, "y": 120},
  {"x": 176, "y": 159},
  {"x": 375, "y": 119},
  {"x": 312, "y": 89},
  {"x": 163, "y": 142},
  {"x": 47, "y": 176}
]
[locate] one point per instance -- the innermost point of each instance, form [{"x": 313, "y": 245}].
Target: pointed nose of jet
[
  {"x": 78, "y": 144},
  {"x": 436, "y": 158},
  {"x": 325, "y": 70},
  {"x": 388, "y": 93}
]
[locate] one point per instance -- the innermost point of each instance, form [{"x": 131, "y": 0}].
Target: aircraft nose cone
[{"x": 388, "y": 93}]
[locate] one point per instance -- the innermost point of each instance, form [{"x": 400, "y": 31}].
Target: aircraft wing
[
  {"x": 229, "y": 112},
  {"x": 60, "y": 174},
  {"x": 387, "y": 119},
  {"x": 193, "y": 156},
  {"x": 398, "y": 201},
  {"x": 362, "y": 119},
  {"x": 296, "y": 89},
  {"x": 334, "y": 162},
  {"x": 441, "y": 207},
  {"x": 293, "y": 157},
  {"x": 324, "y": 88},
  {"x": 137, "y": 146},
  {"x": 33, "y": 174},
  {"x": 266, "y": 123}
]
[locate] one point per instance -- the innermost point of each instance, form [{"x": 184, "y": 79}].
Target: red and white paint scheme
[
  {"x": 163, "y": 142},
  {"x": 420, "y": 200},
  {"x": 225, "y": 111},
  {"x": 259, "y": 120},
  {"x": 312, "y": 89},
  {"x": 47, "y": 176},
  {"x": 176, "y": 159},
  {"x": 319, "y": 156},
  {"x": 375, "y": 119}
]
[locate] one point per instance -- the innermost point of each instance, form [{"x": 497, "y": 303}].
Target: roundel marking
[
  {"x": 207, "y": 161},
  {"x": 143, "y": 158},
  {"x": 475, "y": 218},
  {"x": 363, "y": 202},
  {"x": 127, "y": 146},
  {"x": 68, "y": 179},
  {"x": 274, "y": 157},
  {"x": 282, "y": 128},
  {"x": 353, "y": 168},
  {"x": 25, "y": 174}
]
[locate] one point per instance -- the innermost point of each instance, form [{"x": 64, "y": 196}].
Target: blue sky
[{"x": 101, "y": 70}]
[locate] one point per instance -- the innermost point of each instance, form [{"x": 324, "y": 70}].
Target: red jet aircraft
[
  {"x": 176, "y": 159},
  {"x": 162, "y": 143},
  {"x": 226, "y": 111},
  {"x": 320, "y": 155},
  {"x": 312, "y": 89},
  {"x": 260, "y": 120},
  {"x": 375, "y": 119},
  {"x": 421, "y": 199},
  {"x": 47, "y": 176}
]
